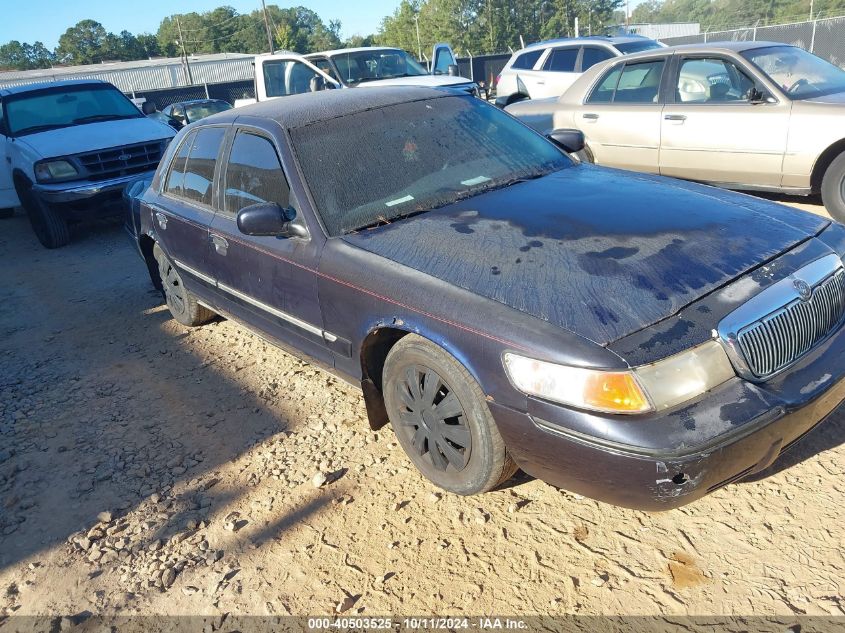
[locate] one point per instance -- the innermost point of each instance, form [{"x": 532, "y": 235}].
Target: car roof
[
  {"x": 709, "y": 47},
  {"x": 42, "y": 85},
  {"x": 617, "y": 39},
  {"x": 312, "y": 107},
  {"x": 359, "y": 49},
  {"x": 193, "y": 101}
]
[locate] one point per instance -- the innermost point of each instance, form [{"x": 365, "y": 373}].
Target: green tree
[{"x": 83, "y": 43}]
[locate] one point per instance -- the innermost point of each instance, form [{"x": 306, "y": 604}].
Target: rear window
[
  {"x": 636, "y": 47},
  {"x": 383, "y": 164},
  {"x": 561, "y": 60},
  {"x": 527, "y": 60}
]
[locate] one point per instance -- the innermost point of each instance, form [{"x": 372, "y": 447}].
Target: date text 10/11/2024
[{"x": 421, "y": 623}]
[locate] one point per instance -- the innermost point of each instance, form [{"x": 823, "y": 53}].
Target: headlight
[
  {"x": 644, "y": 389},
  {"x": 54, "y": 170}
]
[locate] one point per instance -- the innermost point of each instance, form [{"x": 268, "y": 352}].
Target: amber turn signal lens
[{"x": 615, "y": 392}]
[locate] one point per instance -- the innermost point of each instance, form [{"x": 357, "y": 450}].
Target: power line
[{"x": 223, "y": 37}]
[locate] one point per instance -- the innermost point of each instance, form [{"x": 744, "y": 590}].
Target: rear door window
[
  {"x": 199, "y": 168},
  {"x": 254, "y": 174},
  {"x": 176, "y": 176},
  {"x": 593, "y": 55},
  {"x": 527, "y": 60},
  {"x": 631, "y": 83},
  {"x": 285, "y": 77},
  {"x": 561, "y": 60}
]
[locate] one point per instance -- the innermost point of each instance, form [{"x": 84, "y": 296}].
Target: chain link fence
[
  {"x": 824, "y": 37},
  {"x": 227, "y": 91}
]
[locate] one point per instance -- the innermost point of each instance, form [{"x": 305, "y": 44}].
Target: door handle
[
  {"x": 220, "y": 244},
  {"x": 591, "y": 117},
  {"x": 162, "y": 220},
  {"x": 676, "y": 117}
]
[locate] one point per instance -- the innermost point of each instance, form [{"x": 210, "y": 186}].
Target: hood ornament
[{"x": 803, "y": 288}]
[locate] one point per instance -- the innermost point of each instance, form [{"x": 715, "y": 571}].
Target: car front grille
[
  {"x": 121, "y": 161},
  {"x": 779, "y": 339}
]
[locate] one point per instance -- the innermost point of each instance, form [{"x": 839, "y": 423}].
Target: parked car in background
[
  {"x": 284, "y": 73},
  {"x": 742, "y": 115},
  {"x": 186, "y": 112},
  {"x": 636, "y": 339},
  {"x": 547, "y": 69},
  {"x": 68, "y": 148}
]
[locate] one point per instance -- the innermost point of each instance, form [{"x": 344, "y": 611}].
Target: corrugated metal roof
[{"x": 147, "y": 74}]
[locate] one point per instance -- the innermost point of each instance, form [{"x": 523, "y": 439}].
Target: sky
[{"x": 45, "y": 20}]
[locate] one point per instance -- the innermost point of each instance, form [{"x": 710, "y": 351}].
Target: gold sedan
[{"x": 756, "y": 116}]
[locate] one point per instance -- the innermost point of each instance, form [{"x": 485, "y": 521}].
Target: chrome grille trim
[
  {"x": 779, "y": 339},
  {"x": 121, "y": 161},
  {"x": 776, "y": 327}
]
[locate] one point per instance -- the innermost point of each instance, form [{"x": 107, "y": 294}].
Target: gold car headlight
[
  {"x": 54, "y": 170},
  {"x": 644, "y": 389}
]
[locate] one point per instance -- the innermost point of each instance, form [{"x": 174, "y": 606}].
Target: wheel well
[
  {"x": 147, "y": 243},
  {"x": 19, "y": 179},
  {"x": 374, "y": 352},
  {"x": 517, "y": 96},
  {"x": 823, "y": 162}
]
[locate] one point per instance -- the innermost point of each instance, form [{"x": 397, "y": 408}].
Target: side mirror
[
  {"x": 176, "y": 124},
  {"x": 148, "y": 107},
  {"x": 755, "y": 95},
  {"x": 453, "y": 70},
  {"x": 570, "y": 141},
  {"x": 269, "y": 219}
]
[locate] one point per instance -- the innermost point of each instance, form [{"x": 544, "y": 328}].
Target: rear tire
[
  {"x": 181, "y": 303},
  {"x": 441, "y": 419},
  {"x": 5, "y": 214},
  {"x": 49, "y": 226},
  {"x": 833, "y": 188}
]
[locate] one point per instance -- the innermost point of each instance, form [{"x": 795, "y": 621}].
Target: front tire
[
  {"x": 833, "y": 188},
  {"x": 181, "y": 303},
  {"x": 441, "y": 419},
  {"x": 49, "y": 226}
]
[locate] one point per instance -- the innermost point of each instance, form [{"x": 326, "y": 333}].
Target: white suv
[{"x": 547, "y": 69}]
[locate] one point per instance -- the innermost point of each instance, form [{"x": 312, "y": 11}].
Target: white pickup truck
[
  {"x": 67, "y": 150},
  {"x": 284, "y": 73}
]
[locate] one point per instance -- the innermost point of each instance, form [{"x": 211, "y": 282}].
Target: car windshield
[
  {"x": 627, "y": 48},
  {"x": 389, "y": 163},
  {"x": 197, "y": 111},
  {"x": 375, "y": 64},
  {"x": 66, "y": 106},
  {"x": 801, "y": 75}
]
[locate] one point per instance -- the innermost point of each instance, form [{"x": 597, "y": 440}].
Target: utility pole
[
  {"x": 811, "y": 9},
  {"x": 419, "y": 43},
  {"x": 627, "y": 15},
  {"x": 188, "y": 77},
  {"x": 267, "y": 26}
]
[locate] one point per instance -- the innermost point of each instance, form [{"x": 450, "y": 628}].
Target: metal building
[{"x": 153, "y": 74}]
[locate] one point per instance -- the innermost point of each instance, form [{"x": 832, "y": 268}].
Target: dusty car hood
[
  {"x": 421, "y": 80},
  {"x": 94, "y": 136},
  {"x": 600, "y": 252}
]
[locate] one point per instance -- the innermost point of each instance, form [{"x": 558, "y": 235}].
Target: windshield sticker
[
  {"x": 393, "y": 203},
  {"x": 410, "y": 152},
  {"x": 475, "y": 181}
]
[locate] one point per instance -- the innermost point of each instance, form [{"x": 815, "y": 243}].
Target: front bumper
[
  {"x": 738, "y": 429},
  {"x": 87, "y": 192}
]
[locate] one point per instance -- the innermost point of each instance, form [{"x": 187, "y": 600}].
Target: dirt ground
[{"x": 149, "y": 468}]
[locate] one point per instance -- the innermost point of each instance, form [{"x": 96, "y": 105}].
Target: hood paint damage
[{"x": 600, "y": 252}]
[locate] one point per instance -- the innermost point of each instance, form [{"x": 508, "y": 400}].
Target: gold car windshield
[{"x": 801, "y": 75}]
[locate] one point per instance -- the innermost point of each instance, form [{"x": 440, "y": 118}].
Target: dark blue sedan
[{"x": 635, "y": 339}]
